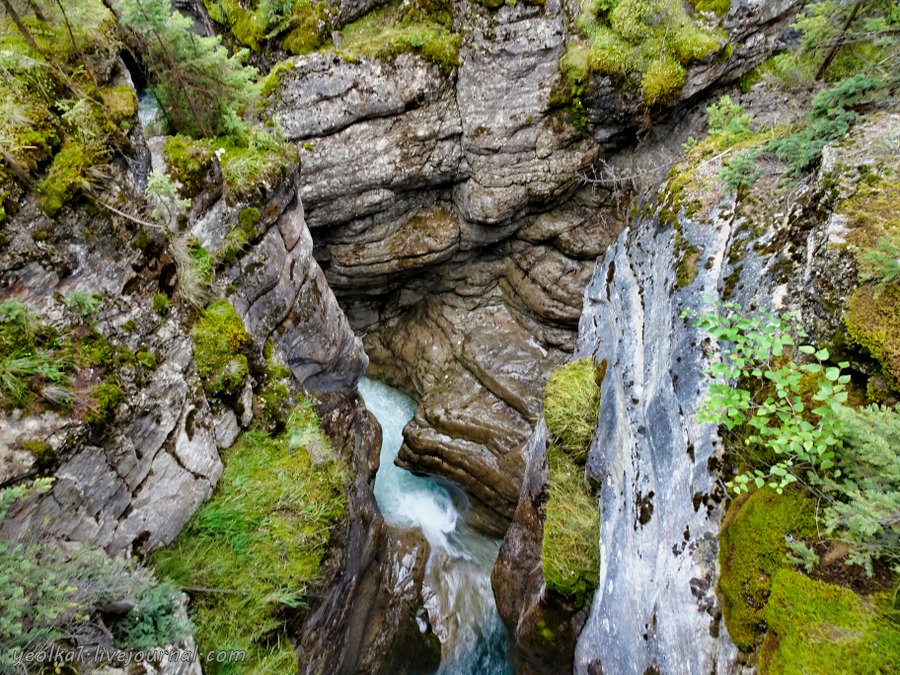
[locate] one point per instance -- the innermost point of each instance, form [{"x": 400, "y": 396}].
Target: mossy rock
[
  {"x": 752, "y": 549},
  {"x": 816, "y": 627},
  {"x": 105, "y": 399},
  {"x": 189, "y": 162},
  {"x": 160, "y": 303},
  {"x": 45, "y": 458},
  {"x": 121, "y": 103},
  {"x": 570, "y": 551},
  {"x": 219, "y": 338},
  {"x": 572, "y": 403}
]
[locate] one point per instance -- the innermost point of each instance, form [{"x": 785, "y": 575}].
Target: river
[{"x": 458, "y": 575}]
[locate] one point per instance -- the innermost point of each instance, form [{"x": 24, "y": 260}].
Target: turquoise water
[{"x": 458, "y": 594}]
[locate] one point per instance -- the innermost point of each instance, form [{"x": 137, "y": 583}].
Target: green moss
[
  {"x": 264, "y": 533},
  {"x": 662, "y": 81},
  {"x": 570, "y": 551},
  {"x": 189, "y": 161},
  {"x": 873, "y": 323},
  {"x": 45, "y": 458},
  {"x": 130, "y": 326},
  {"x": 572, "y": 403},
  {"x": 265, "y": 160},
  {"x": 125, "y": 357},
  {"x": 248, "y": 219},
  {"x": 752, "y": 549},
  {"x": 96, "y": 350},
  {"x": 219, "y": 338},
  {"x": 66, "y": 175},
  {"x": 146, "y": 359},
  {"x": 272, "y": 82},
  {"x": 121, "y": 103},
  {"x": 816, "y": 627},
  {"x": 160, "y": 303},
  {"x": 105, "y": 398},
  {"x": 873, "y": 313},
  {"x": 305, "y": 36},
  {"x": 647, "y": 44},
  {"x": 385, "y": 33},
  {"x": 687, "y": 270},
  {"x": 720, "y": 7}
]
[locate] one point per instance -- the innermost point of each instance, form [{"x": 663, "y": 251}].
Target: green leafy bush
[
  {"x": 847, "y": 458},
  {"x": 47, "y": 591},
  {"x": 753, "y": 349}
]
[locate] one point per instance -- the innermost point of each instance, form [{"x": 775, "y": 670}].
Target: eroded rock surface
[{"x": 442, "y": 202}]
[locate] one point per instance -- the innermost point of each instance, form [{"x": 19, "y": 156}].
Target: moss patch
[
  {"x": 873, "y": 323},
  {"x": 189, "y": 161},
  {"x": 571, "y": 405},
  {"x": 752, "y": 549},
  {"x": 570, "y": 551},
  {"x": 819, "y": 628},
  {"x": 219, "y": 339},
  {"x": 262, "y": 536},
  {"x": 397, "y": 29},
  {"x": 105, "y": 399},
  {"x": 647, "y": 44},
  {"x": 720, "y": 7}
]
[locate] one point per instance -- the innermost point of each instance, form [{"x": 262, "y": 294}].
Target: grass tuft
[
  {"x": 261, "y": 537},
  {"x": 571, "y": 405}
]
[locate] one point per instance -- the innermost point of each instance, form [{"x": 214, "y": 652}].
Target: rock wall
[
  {"x": 659, "y": 473},
  {"x": 446, "y": 212}
]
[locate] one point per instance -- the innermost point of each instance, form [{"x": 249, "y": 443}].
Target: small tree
[{"x": 200, "y": 87}]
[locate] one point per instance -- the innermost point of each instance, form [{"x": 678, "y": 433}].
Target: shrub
[
  {"x": 728, "y": 122},
  {"x": 83, "y": 304},
  {"x": 865, "y": 508},
  {"x": 753, "y": 350},
  {"x": 829, "y": 119},
  {"x": 740, "y": 170},
  {"x": 47, "y": 591},
  {"x": 571, "y": 405},
  {"x": 200, "y": 87}
]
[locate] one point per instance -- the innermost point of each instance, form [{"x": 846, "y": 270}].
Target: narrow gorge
[{"x": 225, "y": 232}]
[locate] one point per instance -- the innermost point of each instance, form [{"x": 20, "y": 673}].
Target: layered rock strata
[{"x": 441, "y": 203}]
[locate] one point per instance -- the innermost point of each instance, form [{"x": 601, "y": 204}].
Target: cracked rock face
[{"x": 443, "y": 203}]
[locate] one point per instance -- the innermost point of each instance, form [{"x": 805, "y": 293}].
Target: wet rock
[
  {"x": 541, "y": 626},
  {"x": 367, "y": 620}
]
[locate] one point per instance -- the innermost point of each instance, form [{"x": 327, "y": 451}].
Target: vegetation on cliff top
[
  {"x": 258, "y": 543},
  {"x": 646, "y": 44}
]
